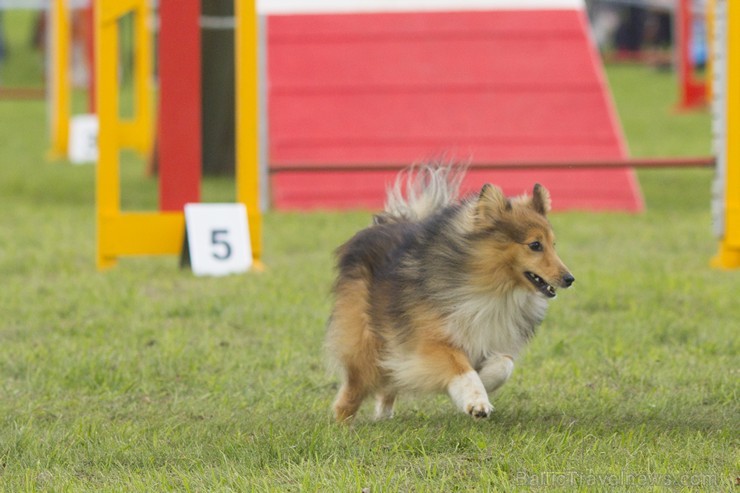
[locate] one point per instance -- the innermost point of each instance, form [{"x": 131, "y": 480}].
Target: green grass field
[{"x": 145, "y": 378}]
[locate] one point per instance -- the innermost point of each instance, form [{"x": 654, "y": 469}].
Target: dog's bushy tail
[{"x": 420, "y": 191}]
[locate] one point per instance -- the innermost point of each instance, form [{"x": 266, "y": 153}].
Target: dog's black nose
[{"x": 568, "y": 280}]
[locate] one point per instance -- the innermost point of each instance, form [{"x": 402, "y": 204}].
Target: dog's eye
[{"x": 535, "y": 246}]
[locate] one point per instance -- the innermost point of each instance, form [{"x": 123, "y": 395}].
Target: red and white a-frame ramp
[{"x": 376, "y": 82}]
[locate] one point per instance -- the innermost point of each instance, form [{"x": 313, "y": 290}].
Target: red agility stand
[
  {"x": 179, "y": 124},
  {"x": 693, "y": 92},
  {"x": 89, "y": 20}
]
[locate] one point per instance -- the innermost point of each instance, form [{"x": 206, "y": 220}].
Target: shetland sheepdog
[{"x": 441, "y": 294}]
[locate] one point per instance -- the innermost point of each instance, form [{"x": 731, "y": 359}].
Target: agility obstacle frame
[
  {"x": 726, "y": 72},
  {"x": 58, "y": 78},
  {"x": 162, "y": 232},
  {"x": 118, "y": 233},
  {"x": 60, "y": 87}
]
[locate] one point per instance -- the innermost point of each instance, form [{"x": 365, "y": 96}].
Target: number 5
[{"x": 216, "y": 240}]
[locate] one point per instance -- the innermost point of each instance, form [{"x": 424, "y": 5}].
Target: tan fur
[{"x": 356, "y": 347}]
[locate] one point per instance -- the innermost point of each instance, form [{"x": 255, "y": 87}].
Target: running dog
[{"x": 441, "y": 294}]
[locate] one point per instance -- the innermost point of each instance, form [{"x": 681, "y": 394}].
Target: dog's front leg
[
  {"x": 469, "y": 394},
  {"x": 462, "y": 382},
  {"x": 496, "y": 370},
  {"x": 436, "y": 366}
]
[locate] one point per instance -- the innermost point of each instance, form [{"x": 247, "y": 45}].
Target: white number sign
[
  {"x": 218, "y": 239},
  {"x": 83, "y": 139}
]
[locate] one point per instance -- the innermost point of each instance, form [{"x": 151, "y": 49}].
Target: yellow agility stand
[
  {"x": 161, "y": 233},
  {"x": 727, "y": 211},
  {"x": 59, "y": 83},
  {"x": 247, "y": 118},
  {"x": 125, "y": 233}
]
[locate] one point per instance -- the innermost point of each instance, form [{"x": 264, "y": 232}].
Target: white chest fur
[{"x": 483, "y": 325}]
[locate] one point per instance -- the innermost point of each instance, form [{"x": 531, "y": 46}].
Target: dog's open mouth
[{"x": 540, "y": 284}]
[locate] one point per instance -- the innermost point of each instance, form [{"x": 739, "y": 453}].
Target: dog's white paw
[
  {"x": 479, "y": 410},
  {"x": 468, "y": 392}
]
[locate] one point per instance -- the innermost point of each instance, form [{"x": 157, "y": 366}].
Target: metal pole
[{"x": 642, "y": 163}]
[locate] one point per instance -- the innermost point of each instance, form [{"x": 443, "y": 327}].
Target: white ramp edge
[{"x": 288, "y": 7}]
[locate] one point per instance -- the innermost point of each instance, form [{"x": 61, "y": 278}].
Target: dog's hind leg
[
  {"x": 384, "y": 401},
  {"x": 354, "y": 390},
  {"x": 496, "y": 370},
  {"x": 355, "y": 345},
  {"x": 361, "y": 377}
]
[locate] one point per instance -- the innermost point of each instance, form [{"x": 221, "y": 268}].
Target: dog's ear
[
  {"x": 541, "y": 199},
  {"x": 491, "y": 202}
]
